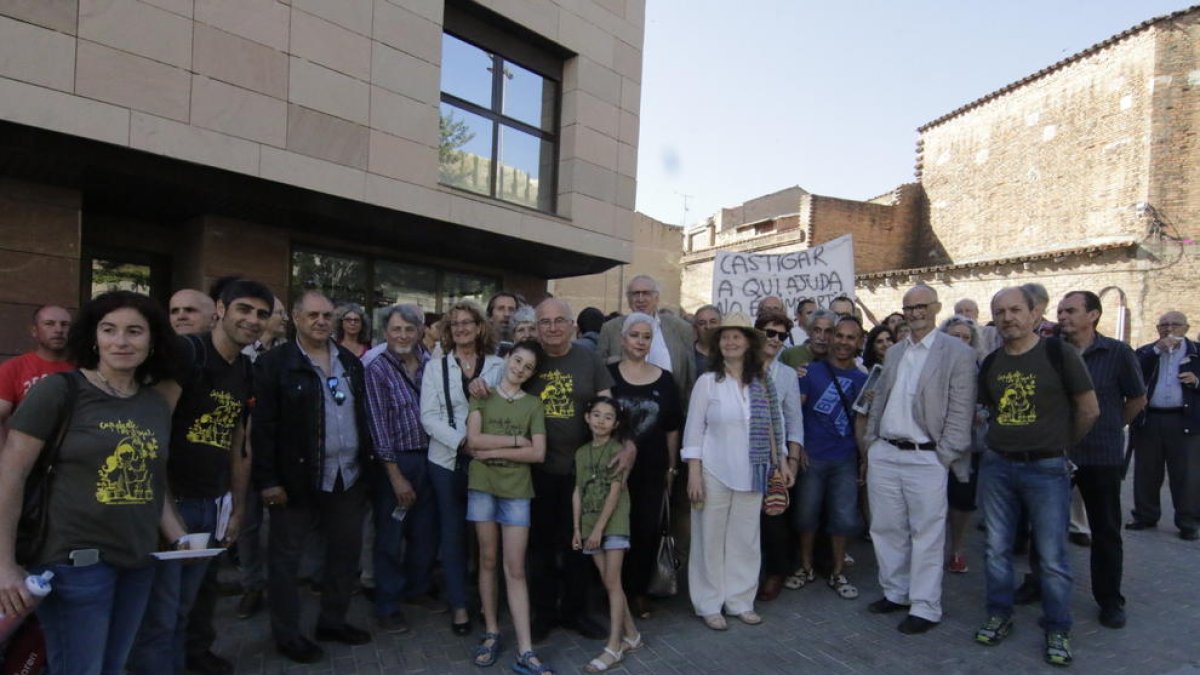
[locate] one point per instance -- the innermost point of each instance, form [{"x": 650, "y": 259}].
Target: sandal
[
  {"x": 799, "y": 579},
  {"x": 715, "y": 622},
  {"x": 599, "y": 664},
  {"x": 842, "y": 586},
  {"x": 487, "y": 651},
  {"x": 629, "y": 646},
  {"x": 528, "y": 663}
]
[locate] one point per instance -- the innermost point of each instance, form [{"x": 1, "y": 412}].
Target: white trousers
[
  {"x": 907, "y": 489},
  {"x": 724, "y": 555}
]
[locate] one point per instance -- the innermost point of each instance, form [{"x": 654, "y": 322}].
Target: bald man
[
  {"x": 968, "y": 308},
  {"x": 1166, "y": 434},
  {"x": 17, "y": 375},
  {"x": 192, "y": 312}
]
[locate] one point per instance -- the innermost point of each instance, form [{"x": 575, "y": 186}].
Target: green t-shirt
[
  {"x": 593, "y": 479},
  {"x": 1032, "y": 409},
  {"x": 520, "y": 417},
  {"x": 110, "y": 477}
]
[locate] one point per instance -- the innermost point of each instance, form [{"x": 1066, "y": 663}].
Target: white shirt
[
  {"x": 799, "y": 335},
  {"x": 897, "y": 422},
  {"x": 787, "y": 391},
  {"x": 658, "y": 354},
  {"x": 717, "y": 431}
]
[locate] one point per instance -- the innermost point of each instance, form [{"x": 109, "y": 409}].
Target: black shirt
[{"x": 215, "y": 399}]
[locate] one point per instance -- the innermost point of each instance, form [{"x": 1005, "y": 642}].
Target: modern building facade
[{"x": 380, "y": 150}]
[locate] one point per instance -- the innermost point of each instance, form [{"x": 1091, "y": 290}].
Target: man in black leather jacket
[{"x": 312, "y": 449}]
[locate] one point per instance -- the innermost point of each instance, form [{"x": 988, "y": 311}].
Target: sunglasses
[
  {"x": 339, "y": 396},
  {"x": 777, "y": 334}
]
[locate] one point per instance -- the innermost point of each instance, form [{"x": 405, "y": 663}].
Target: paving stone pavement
[{"x": 813, "y": 630}]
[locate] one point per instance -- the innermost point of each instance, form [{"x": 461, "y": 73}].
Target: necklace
[
  {"x": 119, "y": 393},
  {"x": 506, "y": 396}
]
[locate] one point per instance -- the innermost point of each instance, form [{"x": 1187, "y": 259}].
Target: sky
[{"x": 742, "y": 99}]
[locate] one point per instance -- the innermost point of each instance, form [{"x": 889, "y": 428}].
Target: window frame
[{"x": 506, "y": 42}]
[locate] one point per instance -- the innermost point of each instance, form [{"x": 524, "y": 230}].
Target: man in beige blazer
[
  {"x": 918, "y": 427},
  {"x": 671, "y": 348}
]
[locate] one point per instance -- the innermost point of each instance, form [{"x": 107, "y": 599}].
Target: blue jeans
[
  {"x": 1043, "y": 487},
  {"x": 404, "y": 550},
  {"x": 450, "y": 490},
  {"x": 160, "y": 644},
  {"x": 830, "y": 485},
  {"x": 92, "y": 616}
]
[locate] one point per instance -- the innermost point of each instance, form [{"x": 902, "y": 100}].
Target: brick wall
[
  {"x": 1053, "y": 162},
  {"x": 656, "y": 251}
]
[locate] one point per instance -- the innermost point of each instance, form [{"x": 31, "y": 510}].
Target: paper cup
[{"x": 197, "y": 541}]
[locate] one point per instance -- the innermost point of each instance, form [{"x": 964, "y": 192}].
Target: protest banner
[{"x": 823, "y": 272}]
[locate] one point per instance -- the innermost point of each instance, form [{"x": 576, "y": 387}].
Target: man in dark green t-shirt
[{"x": 1041, "y": 400}]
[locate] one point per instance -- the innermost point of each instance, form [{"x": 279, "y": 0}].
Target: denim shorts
[
  {"x": 832, "y": 486},
  {"x": 484, "y": 507},
  {"x": 609, "y": 542}
]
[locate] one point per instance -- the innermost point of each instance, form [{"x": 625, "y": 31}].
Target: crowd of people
[{"x": 153, "y": 439}]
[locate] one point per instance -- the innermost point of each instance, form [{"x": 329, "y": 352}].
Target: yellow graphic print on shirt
[
  {"x": 1016, "y": 403},
  {"x": 556, "y": 397},
  {"x": 216, "y": 428},
  {"x": 125, "y": 476}
]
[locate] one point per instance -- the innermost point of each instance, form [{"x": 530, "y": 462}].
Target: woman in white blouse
[
  {"x": 467, "y": 345},
  {"x": 732, "y": 442}
]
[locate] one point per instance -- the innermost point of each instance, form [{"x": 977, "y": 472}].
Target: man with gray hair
[
  {"x": 820, "y": 333},
  {"x": 671, "y": 348},
  {"x": 919, "y": 426},
  {"x": 968, "y": 308},
  {"x": 705, "y": 320},
  {"x": 1041, "y": 302},
  {"x": 404, "y": 546}
]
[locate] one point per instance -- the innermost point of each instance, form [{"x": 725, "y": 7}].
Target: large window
[
  {"x": 499, "y": 118},
  {"x": 378, "y": 283}
]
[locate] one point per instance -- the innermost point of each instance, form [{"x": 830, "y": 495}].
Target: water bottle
[
  {"x": 39, "y": 587},
  {"x": 399, "y": 513}
]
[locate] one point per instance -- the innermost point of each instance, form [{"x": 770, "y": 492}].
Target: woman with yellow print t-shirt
[{"x": 105, "y": 506}]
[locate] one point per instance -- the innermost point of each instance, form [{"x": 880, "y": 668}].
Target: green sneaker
[
  {"x": 994, "y": 630},
  {"x": 1058, "y": 648}
]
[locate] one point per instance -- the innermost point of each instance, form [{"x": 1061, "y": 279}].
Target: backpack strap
[
  {"x": 446, "y": 390},
  {"x": 1054, "y": 352}
]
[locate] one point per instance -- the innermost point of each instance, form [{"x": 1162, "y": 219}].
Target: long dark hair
[
  {"x": 162, "y": 362},
  {"x": 869, "y": 358},
  {"x": 752, "y": 362}
]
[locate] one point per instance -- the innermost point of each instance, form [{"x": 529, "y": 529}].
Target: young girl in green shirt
[{"x": 601, "y": 509}]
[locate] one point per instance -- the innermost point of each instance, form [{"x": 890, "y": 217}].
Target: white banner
[{"x": 742, "y": 280}]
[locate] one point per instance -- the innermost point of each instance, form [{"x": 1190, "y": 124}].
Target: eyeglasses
[
  {"x": 558, "y": 322},
  {"x": 465, "y": 323},
  {"x": 351, "y": 319},
  {"x": 921, "y": 307},
  {"x": 339, "y": 396},
  {"x": 777, "y": 334}
]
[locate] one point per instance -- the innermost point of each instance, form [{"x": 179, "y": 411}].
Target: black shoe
[
  {"x": 539, "y": 630},
  {"x": 345, "y": 634},
  {"x": 1080, "y": 539},
  {"x": 586, "y": 626},
  {"x": 1189, "y": 535},
  {"x": 885, "y": 606},
  {"x": 1028, "y": 592},
  {"x": 1112, "y": 617},
  {"x": 393, "y": 623},
  {"x": 1140, "y": 525},
  {"x": 300, "y": 650},
  {"x": 208, "y": 663},
  {"x": 463, "y": 628},
  {"x": 249, "y": 605},
  {"x": 915, "y": 625}
]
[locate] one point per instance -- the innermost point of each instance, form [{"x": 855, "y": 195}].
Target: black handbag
[
  {"x": 664, "y": 579},
  {"x": 35, "y": 508}
]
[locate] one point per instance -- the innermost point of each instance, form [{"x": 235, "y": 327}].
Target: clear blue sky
[{"x": 743, "y": 98}]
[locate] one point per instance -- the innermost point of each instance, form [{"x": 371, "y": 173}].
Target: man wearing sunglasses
[{"x": 312, "y": 448}]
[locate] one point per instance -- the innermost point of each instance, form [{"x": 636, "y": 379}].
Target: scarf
[{"x": 765, "y": 422}]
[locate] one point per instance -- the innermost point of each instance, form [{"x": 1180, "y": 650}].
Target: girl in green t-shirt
[
  {"x": 601, "y": 508},
  {"x": 506, "y": 432}
]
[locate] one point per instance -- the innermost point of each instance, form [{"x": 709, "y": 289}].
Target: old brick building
[
  {"x": 1084, "y": 175},
  {"x": 382, "y": 150}
]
